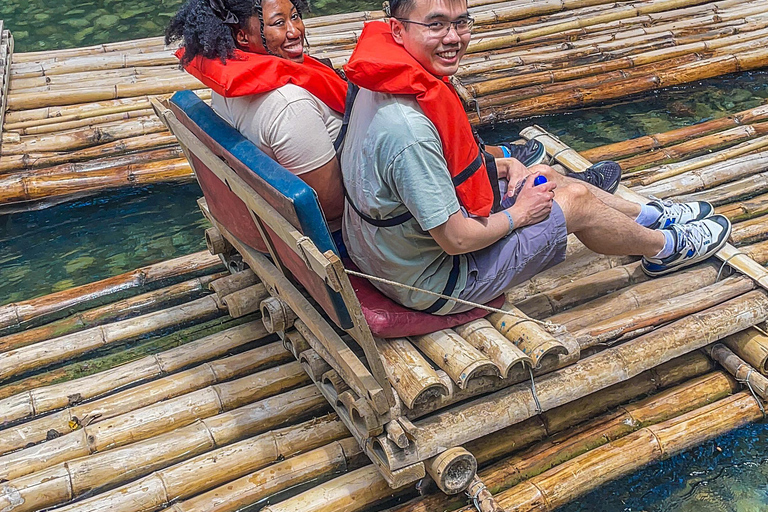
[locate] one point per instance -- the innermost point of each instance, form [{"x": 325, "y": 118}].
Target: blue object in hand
[{"x": 540, "y": 180}]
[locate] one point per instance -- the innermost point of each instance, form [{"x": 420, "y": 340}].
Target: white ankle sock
[
  {"x": 669, "y": 245},
  {"x": 648, "y": 215}
]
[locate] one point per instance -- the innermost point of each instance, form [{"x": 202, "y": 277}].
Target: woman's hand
[{"x": 534, "y": 203}]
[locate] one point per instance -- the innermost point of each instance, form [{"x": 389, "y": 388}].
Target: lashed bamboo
[
  {"x": 153, "y": 420},
  {"x": 233, "y": 283},
  {"x": 612, "y": 365},
  {"x": 749, "y": 231},
  {"x": 221, "y": 465},
  {"x": 741, "y": 370},
  {"x": 40, "y": 400},
  {"x": 632, "y": 323},
  {"x": 119, "y": 310},
  {"x": 63, "y": 482},
  {"x": 458, "y": 358},
  {"x": 558, "y": 486},
  {"x": 532, "y": 339},
  {"x": 485, "y": 338},
  {"x": 599, "y": 430},
  {"x": 25, "y": 312},
  {"x": 745, "y": 210},
  {"x": 41, "y": 354}
]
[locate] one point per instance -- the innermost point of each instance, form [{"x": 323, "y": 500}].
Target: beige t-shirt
[{"x": 289, "y": 124}]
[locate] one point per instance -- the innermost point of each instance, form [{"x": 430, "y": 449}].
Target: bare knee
[{"x": 577, "y": 202}]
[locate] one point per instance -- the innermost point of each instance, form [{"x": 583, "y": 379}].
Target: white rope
[
  {"x": 725, "y": 262},
  {"x": 549, "y": 326}
]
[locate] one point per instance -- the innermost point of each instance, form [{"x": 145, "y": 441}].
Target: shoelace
[{"x": 691, "y": 236}]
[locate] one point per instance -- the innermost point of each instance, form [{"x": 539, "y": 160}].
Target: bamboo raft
[
  {"x": 100, "y": 400},
  {"x": 79, "y": 121}
]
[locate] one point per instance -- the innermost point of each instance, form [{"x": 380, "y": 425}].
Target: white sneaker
[
  {"x": 694, "y": 242},
  {"x": 679, "y": 213}
]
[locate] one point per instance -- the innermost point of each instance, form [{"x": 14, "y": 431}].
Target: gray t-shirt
[{"x": 392, "y": 162}]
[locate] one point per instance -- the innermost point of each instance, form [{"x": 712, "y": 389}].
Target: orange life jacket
[
  {"x": 254, "y": 73},
  {"x": 379, "y": 64}
]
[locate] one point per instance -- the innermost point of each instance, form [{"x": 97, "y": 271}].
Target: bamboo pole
[
  {"x": 459, "y": 359},
  {"x": 740, "y": 370},
  {"x": 753, "y": 185},
  {"x": 659, "y": 140},
  {"x": 638, "y": 321},
  {"x": 22, "y": 314},
  {"x": 410, "y": 374},
  {"x": 47, "y": 352},
  {"x": 126, "y": 308},
  {"x": 153, "y": 420},
  {"x": 485, "y": 338},
  {"x": 516, "y": 403},
  {"x": 752, "y": 345},
  {"x": 233, "y": 282},
  {"x": 66, "y": 481},
  {"x": 76, "y": 414},
  {"x": 532, "y": 339},
  {"x": 559, "y": 486}
]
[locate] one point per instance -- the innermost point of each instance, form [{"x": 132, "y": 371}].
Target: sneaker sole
[{"x": 692, "y": 261}]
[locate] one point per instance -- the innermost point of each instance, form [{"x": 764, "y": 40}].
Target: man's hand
[
  {"x": 533, "y": 203},
  {"x": 511, "y": 170}
]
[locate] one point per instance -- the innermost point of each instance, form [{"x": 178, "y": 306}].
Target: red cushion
[{"x": 388, "y": 319}]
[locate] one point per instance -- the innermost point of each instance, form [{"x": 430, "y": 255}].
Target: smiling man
[{"x": 428, "y": 208}]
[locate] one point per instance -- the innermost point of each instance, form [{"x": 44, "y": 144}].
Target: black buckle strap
[
  {"x": 450, "y": 286},
  {"x": 468, "y": 171},
  {"x": 379, "y": 223},
  {"x": 352, "y": 91}
]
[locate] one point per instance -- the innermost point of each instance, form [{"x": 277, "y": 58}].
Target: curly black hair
[{"x": 207, "y": 27}]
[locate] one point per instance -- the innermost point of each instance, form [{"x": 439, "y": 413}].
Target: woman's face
[{"x": 283, "y": 31}]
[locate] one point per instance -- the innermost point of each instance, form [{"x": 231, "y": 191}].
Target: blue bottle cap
[{"x": 540, "y": 180}]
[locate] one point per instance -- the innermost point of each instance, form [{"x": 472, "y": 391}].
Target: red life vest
[
  {"x": 379, "y": 64},
  {"x": 254, "y": 73}
]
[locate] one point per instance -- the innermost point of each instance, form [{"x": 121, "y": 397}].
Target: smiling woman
[{"x": 251, "y": 53}]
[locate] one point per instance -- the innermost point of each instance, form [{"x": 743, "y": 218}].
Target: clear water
[{"x": 81, "y": 241}]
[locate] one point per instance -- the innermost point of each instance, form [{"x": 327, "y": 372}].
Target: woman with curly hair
[{"x": 251, "y": 54}]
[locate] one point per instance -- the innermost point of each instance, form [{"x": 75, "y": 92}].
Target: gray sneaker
[
  {"x": 694, "y": 242},
  {"x": 679, "y": 213}
]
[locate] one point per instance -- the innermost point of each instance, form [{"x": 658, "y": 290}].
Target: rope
[
  {"x": 751, "y": 389},
  {"x": 725, "y": 262},
  {"x": 549, "y": 326},
  {"x": 475, "y": 497},
  {"x": 539, "y": 410}
]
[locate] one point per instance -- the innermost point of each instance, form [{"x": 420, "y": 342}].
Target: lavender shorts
[{"x": 514, "y": 259}]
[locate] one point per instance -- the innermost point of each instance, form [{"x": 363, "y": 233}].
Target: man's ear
[{"x": 397, "y": 28}]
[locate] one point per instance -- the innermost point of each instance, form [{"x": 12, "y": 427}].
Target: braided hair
[{"x": 207, "y": 27}]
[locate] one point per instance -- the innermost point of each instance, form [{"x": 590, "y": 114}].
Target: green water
[{"x": 81, "y": 241}]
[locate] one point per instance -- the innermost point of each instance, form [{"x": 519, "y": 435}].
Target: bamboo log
[
  {"x": 153, "y": 420},
  {"x": 44, "y": 399},
  {"x": 48, "y": 352},
  {"x": 528, "y": 336},
  {"x": 731, "y": 191},
  {"x": 740, "y": 370},
  {"x": 23, "y": 313},
  {"x": 453, "y": 470},
  {"x": 752, "y": 345},
  {"x": 599, "y": 430},
  {"x": 659, "y": 140},
  {"x": 485, "y": 338},
  {"x": 638, "y": 321},
  {"x": 745, "y": 210},
  {"x": 215, "y": 242},
  {"x": 63, "y": 482},
  {"x": 749, "y": 231},
  {"x": 562, "y": 386},
  {"x": 410, "y": 374},
  {"x": 126, "y": 308},
  {"x": 276, "y": 314},
  {"x": 247, "y": 300},
  {"x": 618, "y": 458},
  {"x": 233, "y": 282},
  {"x": 459, "y": 359}
]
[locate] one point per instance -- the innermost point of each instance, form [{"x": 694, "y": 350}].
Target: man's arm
[{"x": 460, "y": 234}]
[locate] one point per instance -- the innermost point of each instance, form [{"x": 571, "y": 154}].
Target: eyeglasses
[{"x": 441, "y": 28}]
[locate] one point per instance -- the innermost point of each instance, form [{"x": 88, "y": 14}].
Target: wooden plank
[
  {"x": 574, "y": 161},
  {"x": 348, "y": 365}
]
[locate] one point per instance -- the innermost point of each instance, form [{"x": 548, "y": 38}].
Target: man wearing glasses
[{"x": 427, "y": 208}]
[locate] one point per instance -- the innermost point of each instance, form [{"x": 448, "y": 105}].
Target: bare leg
[
  {"x": 603, "y": 229},
  {"x": 628, "y": 208}
]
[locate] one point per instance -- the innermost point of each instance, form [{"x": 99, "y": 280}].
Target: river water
[{"x": 89, "y": 239}]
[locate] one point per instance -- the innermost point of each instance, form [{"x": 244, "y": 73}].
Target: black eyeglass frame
[{"x": 469, "y": 20}]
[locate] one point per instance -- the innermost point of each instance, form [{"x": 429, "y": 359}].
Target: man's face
[{"x": 438, "y": 53}]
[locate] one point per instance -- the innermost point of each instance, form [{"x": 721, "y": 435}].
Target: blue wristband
[
  {"x": 505, "y": 151},
  {"x": 511, "y": 222}
]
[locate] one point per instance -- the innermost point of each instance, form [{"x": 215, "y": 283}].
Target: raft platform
[{"x": 223, "y": 381}]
